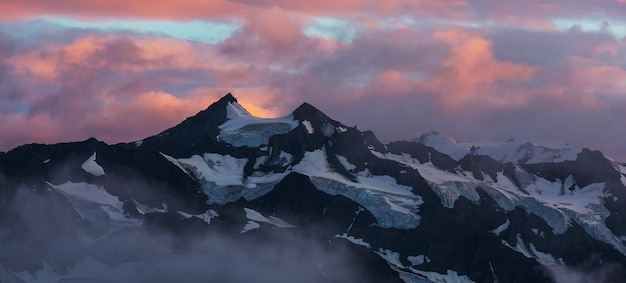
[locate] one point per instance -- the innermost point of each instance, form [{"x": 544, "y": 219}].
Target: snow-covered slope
[
  {"x": 94, "y": 204},
  {"x": 222, "y": 177},
  {"x": 553, "y": 201},
  {"x": 392, "y": 204}
]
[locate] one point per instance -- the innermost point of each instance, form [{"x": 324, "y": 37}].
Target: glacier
[{"x": 243, "y": 129}]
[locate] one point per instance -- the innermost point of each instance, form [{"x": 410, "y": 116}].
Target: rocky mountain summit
[{"x": 228, "y": 197}]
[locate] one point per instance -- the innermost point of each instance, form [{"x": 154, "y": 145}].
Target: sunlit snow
[
  {"x": 243, "y": 129},
  {"x": 308, "y": 126}
]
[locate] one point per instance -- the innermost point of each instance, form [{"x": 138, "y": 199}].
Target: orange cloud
[
  {"x": 167, "y": 9},
  {"x": 147, "y": 113},
  {"x": 261, "y": 101},
  {"x": 390, "y": 7},
  {"x": 29, "y": 129},
  {"x": 272, "y": 37},
  {"x": 119, "y": 54},
  {"x": 471, "y": 70},
  {"x": 118, "y": 120},
  {"x": 202, "y": 9},
  {"x": 115, "y": 121},
  {"x": 590, "y": 77}
]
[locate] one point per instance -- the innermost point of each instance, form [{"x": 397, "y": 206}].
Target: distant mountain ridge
[
  {"x": 513, "y": 150},
  {"x": 427, "y": 210}
]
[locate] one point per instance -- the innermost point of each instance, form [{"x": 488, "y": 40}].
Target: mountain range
[{"x": 228, "y": 197}]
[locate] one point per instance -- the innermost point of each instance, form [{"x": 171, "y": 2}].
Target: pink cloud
[
  {"x": 274, "y": 37},
  {"x": 471, "y": 71},
  {"x": 181, "y": 9},
  {"x": 535, "y": 14},
  {"x": 114, "y": 121},
  {"x": 492, "y": 82},
  {"x": 115, "y": 53},
  {"x": 20, "y": 129},
  {"x": 199, "y": 9}
]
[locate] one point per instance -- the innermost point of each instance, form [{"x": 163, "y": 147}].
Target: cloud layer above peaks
[{"x": 121, "y": 71}]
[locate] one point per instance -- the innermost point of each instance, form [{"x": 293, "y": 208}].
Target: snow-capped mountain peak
[
  {"x": 243, "y": 129},
  {"x": 429, "y": 210}
]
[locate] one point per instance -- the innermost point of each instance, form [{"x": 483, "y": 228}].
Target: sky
[{"x": 120, "y": 71}]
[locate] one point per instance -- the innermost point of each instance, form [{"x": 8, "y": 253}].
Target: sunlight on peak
[{"x": 260, "y": 112}]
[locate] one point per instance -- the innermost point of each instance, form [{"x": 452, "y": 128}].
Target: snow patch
[
  {"x": 501, "y": 228},
  {"x": 530, "y": 251},
  {"x": 391, "y": 257},
  {"x": 543, "y": 257},
  {"x": 221, "y": 177},
  {"x": 175, "y": 162},
  {"x": 254, "y": 215},
  {"x": 251, "y": 225},
  {"x": 538, "y": 233},
  {"x": 520, "y": 247},
  {"x": 96, "y": 205},
  {"x": 90, "y": 166},
  {"x": 451, "y": 276},
  {"x": 223, "y": 170},
  {"x": 418, "y": 260},
  {"x": 143, "y": 209},
  {"x": 354, "y": 240},
  {"x": 344, "y": 162},
  {"x": 443, "y": 144},
  {"x": 206, "y": 216},
  {"x": 448, "y": 186},
  {"x": 308, "y": 126}
]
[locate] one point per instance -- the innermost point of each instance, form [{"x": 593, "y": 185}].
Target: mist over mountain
[{"x": 228, "y": 197}]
